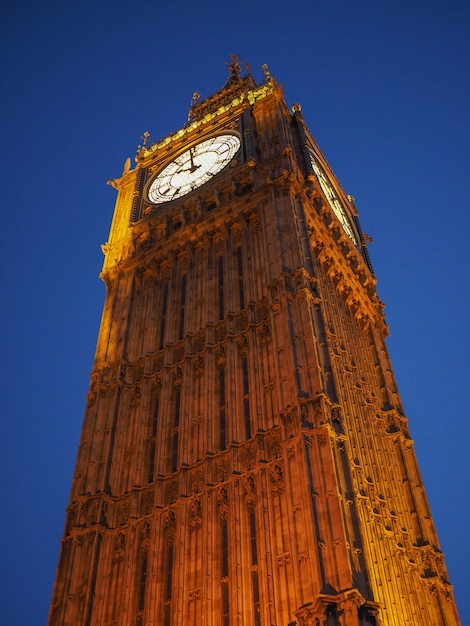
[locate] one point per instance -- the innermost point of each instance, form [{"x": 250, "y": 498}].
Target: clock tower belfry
[{"x": 245, "y": 458}]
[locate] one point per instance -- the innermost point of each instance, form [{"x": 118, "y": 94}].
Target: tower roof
[
  {"x": 240, "y": 82},
  {"x": 239, "y": 87}
]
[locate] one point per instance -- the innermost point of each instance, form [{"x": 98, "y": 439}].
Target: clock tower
[{"x": 245, "y": 459}]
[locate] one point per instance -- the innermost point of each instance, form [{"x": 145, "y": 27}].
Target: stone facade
[{"x": 245, "y": 459}]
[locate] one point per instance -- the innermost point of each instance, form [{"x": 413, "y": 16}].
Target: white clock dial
[
  {"x": 333, "y": 199},
  {"x": 193, "y": 168}
]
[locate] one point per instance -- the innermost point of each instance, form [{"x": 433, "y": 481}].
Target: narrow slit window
[
  {"x": 167, "y": 615},
  {"x": 143, "y": 581},
  {"x": 256, "y": 600},
  {"x": 253, "y": 540},
  {"x": 169, "y": 573},
  {"x": 163, "y": 317},
  {"x": 168, "y": 584},
  {"x": 246, "y": 399},
  {"x": 222, "y": 413},
  {"x": 152, "y": 450},
  {"x": 224, "y": 572},
  {"x": 177, "y": 406},
  {"x": 174, "y": 464},
  {"x": 153, "y": 441},
  {"x": 224, "y": 546},
  {"x": 176, "y": 424},
  {"x": 241, "y": 290},
  {"x": 220, "y": 286},
  {"x": 247, "y": 417},
  {"x": 225, "y": 605},
  {"x": 182, "y": 307}
]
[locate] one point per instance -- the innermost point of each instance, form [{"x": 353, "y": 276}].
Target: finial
[
  {"x": 234, "y": 68},
  {"x": 144, "y": 138},
  {"x": 266, "y": 72},
  {"x": 194, "y": 100},
  {"x": 127, "y": 166},
  {"x": 296, "y": 108},
  {"x": 141, "y": 149}
]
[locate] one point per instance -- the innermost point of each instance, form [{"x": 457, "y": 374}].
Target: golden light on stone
[{"x": 245, "y": 458}]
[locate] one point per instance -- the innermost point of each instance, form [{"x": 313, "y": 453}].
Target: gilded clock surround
[
  {"x": 193, "y": 168},
  {"x": 245, "y": 458}
]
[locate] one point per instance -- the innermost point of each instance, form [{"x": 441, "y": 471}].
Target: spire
[
  {"x": 195, "y": 99},
  {"x": 235, "y": 69},
  {"x": 239, "y": 82}
]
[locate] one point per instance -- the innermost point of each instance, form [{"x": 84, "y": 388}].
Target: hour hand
[{"x": 189, "y": 169}]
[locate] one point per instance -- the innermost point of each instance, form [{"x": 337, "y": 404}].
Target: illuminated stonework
[
  {"x": 193, "y": 168},
  {"x": 244, "y": 459}
]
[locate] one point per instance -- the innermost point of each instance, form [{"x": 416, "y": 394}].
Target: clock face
[
  {"x": 193, "y": 168},
  {"x": 333, "y": 199}
]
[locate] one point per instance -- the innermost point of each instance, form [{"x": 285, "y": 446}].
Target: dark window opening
[
  {"x": 222, "y": 414},
  {"x": 143, "y": 582},
  {"x": 225, "y": 606},
  {"x": 163, "y": 317},
  {"x": 241, "y": 291},
  {"x": 221, "y": 288},
  {"x": 254, "y": 549},
  {"x": 224, "y": 545},
  {"x": 256, "y": 600},
  {"x": 246, "y": 400},
  {"x": 182, "y": 307}
]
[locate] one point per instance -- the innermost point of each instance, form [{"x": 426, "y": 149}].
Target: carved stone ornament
[
  {"x": 119, "y": 547},
  {"x": 222, "y": 498},
  {"x": 194, "y": 594},
  {"x": 196, "y": 514},
  {"x": 135, "y": 401},
  {"x": 265, "y": 333},
  {"x": 147, "y": 503},
  {"x": 223, "y": 471},
  {"x": 198, "y": 366},
  {"x": 250, "y": 491},
  {"x": 249, "y": 457},
  {"x": 220, "y": 355},
  {"x": 170, "y": 519},
  {"x": 275, "y": 448},
  {"x": 178, "y": 376},
  {"x": 197, "y": 482},
  {"x": 277, "y": 480},
  {"x": 317, "y": 406},
  {"x": 250, "y": 484},
  {"x": 283, "y": 559},
  {"x": 342, "y": 608},
  {"x": 123, "y": 513},
  {"x": 172, "y": 492},
  {"x": 144, "y": 531},
  {"x": 287, "y": 415}
]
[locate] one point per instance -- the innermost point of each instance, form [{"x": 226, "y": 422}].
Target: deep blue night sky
[{"x": 384, "y": 88}]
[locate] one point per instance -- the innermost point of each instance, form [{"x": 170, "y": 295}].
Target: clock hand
[
  {"x": 189, "y": 169},
  {"x": 193, "y": 166}
]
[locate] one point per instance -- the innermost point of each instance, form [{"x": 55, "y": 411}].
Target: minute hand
[{"x": 191, "y": 157}]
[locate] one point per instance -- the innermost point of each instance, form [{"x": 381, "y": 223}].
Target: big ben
[{"x": 245, "y": 459}]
